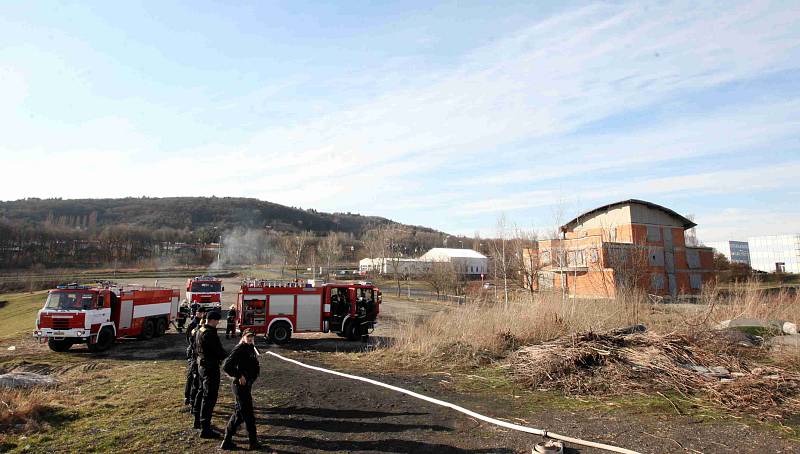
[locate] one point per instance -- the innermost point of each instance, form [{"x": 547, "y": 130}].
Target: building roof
[
  {"x": 687, "y": 223},
  {"x": 438, "y": 253},
  {"x": 390, "y": 259}
]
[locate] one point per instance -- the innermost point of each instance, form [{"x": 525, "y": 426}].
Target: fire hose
[{"x": 497, "y": 422}]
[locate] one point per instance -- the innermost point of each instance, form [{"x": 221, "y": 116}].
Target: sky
[{"x": 448, "y": 115}]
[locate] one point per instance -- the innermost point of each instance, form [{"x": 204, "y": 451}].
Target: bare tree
[
  {"x": 690, "y": 235},
  {"x": 500, "y": 249},
  {"x": 293, "y": 248},
  {"x": 394, "y": 238},
  {"x": 525, "y": 245},
  {"x": 270, "y": 244},
  {"x": 330, "y": 248},
  {"x": 440, "y": 276},
  {"x": 375, "y": 244}
]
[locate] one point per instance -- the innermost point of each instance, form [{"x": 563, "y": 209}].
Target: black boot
[
  {"x": 227, "y": 444},
  {"x": 210, "y": 434},
  {"x": 255, "y": 445},
  {"x": 197, "y": 424}
]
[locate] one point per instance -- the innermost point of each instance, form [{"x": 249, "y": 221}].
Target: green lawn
[{"x": 18, "y": 315}]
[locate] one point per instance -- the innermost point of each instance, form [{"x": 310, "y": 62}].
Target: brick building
[{"x": 622, "y": 245}]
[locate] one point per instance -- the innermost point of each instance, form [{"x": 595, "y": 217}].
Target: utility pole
[{"x": 219, "y": 250}]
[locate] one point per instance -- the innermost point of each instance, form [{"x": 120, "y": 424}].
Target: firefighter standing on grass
[
  {"x": 183, "y": 314},
  {"x": 191, "y": 364},
  {"x": 230, "y": 322},
  {"x": 242, "y": 365},
  {"x": 196, "y": 392},
  {"x": 209, "y": 356}
]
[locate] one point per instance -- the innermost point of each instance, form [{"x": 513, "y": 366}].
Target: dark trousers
[
  {"x": 196, "y": 394},
  {"x": 191, "y": 370},
  {"x": 209, "y": 377},
  {"x": 230, "y": 328},
  {"x": 243, "y": 412}
]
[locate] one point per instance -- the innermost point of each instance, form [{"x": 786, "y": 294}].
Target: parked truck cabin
[
  {"x": 97, "y": 315},
  {"x": 205, "y": 291}
]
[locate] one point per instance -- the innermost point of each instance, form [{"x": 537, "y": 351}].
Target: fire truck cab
[
  {"x": 97, "y": 315},
  {"x": 206, "y": 291},
  {"x": 278, "y": 309}
]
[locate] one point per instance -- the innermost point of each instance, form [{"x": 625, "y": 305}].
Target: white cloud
[
  {"x": 782, "y": 175},
  {"x": 739, "y": 224},
  {"x": 538, "y": 84}
]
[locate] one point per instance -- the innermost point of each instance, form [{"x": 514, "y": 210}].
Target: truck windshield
[
  {"x": 71, "y": 301},
  {"x": 206, "y": 286}
]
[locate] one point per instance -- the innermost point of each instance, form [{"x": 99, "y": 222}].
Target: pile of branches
[{"x": 709, "y": 366}]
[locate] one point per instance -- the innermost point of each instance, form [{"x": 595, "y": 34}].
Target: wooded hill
[
  {"x": 194, "y": 214},
  {"x": 98, "y": 232}
]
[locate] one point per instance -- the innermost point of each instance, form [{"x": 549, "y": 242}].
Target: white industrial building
[
  {"x": 775, "y": 253},
  {"x": 465, "y": 261},
  {"x": 734, "y": 251},
  {"x": 387, "y": 265}
]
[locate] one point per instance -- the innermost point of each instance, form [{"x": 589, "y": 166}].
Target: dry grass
[
  {"x": 26, "y": 410},
  {"x": 480, "y": 333},
  {"x": 750, "y": 300},
  {"x": 553, "y": 343},
  {"x": 611, "y": 364}
]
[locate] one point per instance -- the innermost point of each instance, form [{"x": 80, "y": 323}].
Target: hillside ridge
[{"x": 185, "y": 213}]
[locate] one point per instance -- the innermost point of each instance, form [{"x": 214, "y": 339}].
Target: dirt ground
[{"x": 299, "y": 410}]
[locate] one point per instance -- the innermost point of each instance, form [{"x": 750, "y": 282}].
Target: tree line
[
  {"x": 51, "y": 245},
  {"x": 99, "y": 232}
]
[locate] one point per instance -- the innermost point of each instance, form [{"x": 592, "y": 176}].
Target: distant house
[
  {"x": 632, "y": 243},
  {"x": 464, "y": 261}
]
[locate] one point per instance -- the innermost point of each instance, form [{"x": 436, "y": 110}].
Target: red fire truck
[
  {"x": 99, "y": 314},
  {"x": 278, "y": 309},
  {"x": 205, "y": 290}
]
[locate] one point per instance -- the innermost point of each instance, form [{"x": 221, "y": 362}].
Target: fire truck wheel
[
  {"x": 352, "y": 331},
  {"x": 161, "y": 327},
  {"x": 59, "y": 345},
  {"x": 280, "y": 333},
  {"x": 149, "y": 330},
  {"x": 104, "y": 341}
]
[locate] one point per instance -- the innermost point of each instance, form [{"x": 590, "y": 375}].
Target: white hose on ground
[{"x": 442, "y": 403}]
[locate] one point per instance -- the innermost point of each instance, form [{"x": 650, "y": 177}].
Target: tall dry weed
[
  {"x": 24, "y": 410},
  {"x": 750, "y": 300},
  {"x": 479, "y": 333}
]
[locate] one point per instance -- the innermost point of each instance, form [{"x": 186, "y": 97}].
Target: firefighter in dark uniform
[
  {"x": 194, "y": 307},
  {"x": 230, "y": 322},
  {"x": 242, "y": 365},
  {"x": 191, "y": 364},
  {"x": 183, "y": 314},
  {"x": 209, "y": 356},
  {"x": 196, "y": 393}
]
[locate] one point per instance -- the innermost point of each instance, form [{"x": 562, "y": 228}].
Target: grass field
[
  {"x": 15, "y": 281},
  {"x": 128, "y": 399},
  {"x": 101, "y": 404},
  {"x": 18, "y": 314}
]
